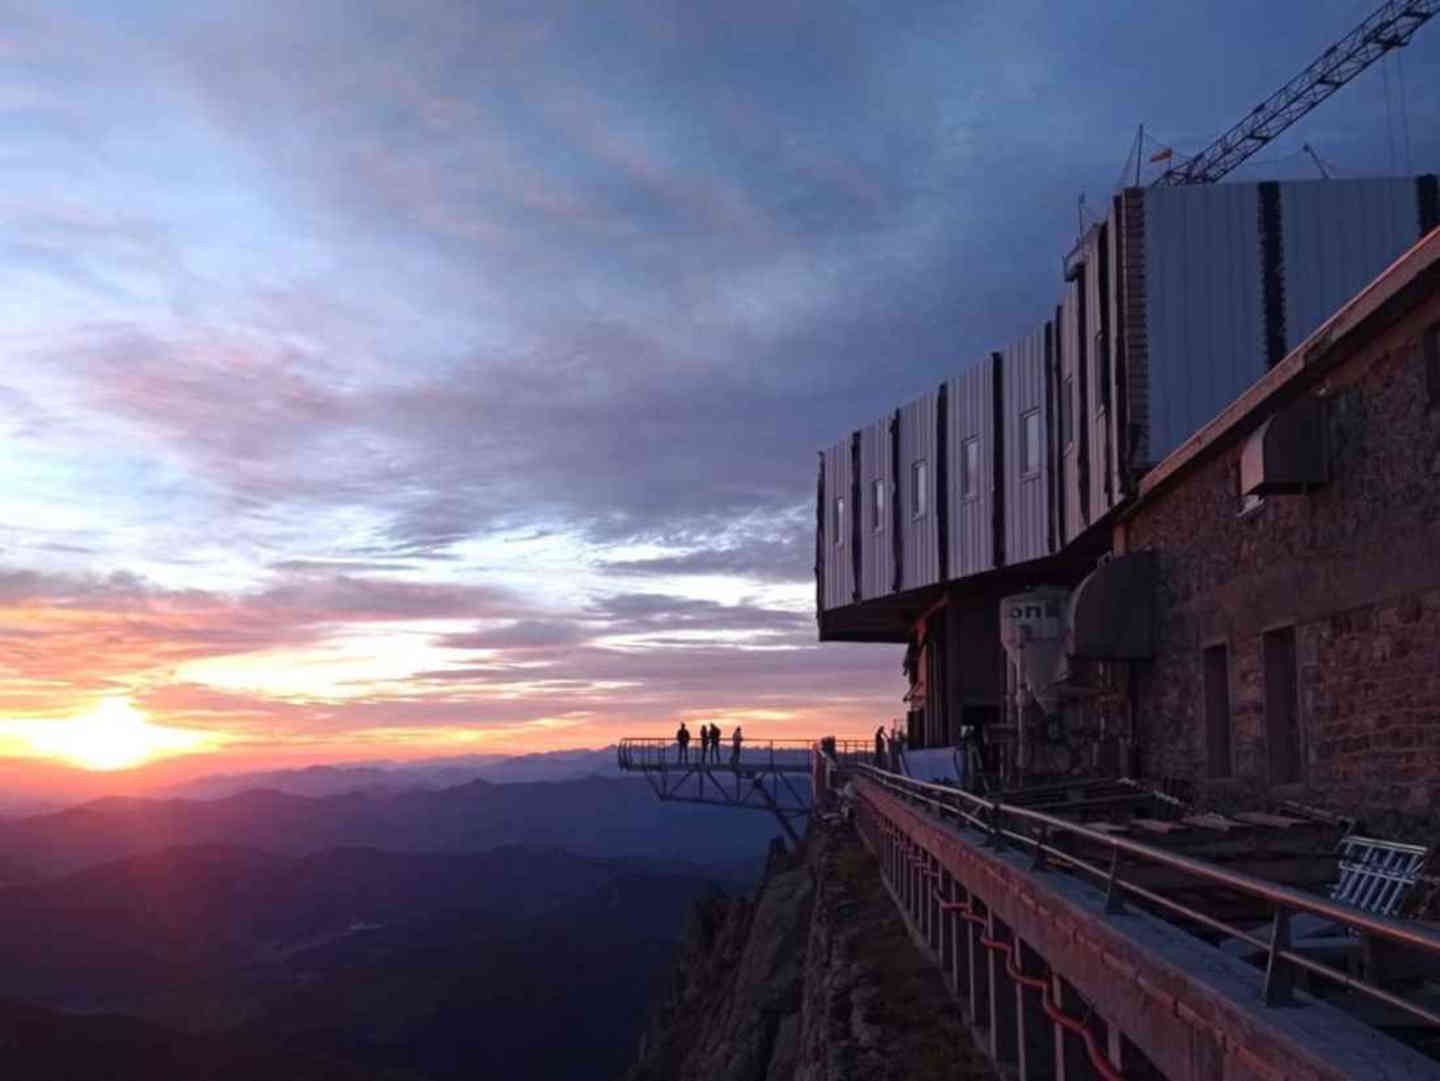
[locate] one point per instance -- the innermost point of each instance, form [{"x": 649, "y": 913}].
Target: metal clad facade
[
  {"x": 919, "y": 534},
  {"x": 1026, "y": 474},
  {"x": 839, "y": 583},
  {"x": 1204, "y": 325},
  {"x": 1098, "y": 293},
  {"x": 1069, "y": 405},
  {"x": 877, "y": 553},
  {"x": 971, "y": 417},
  {"x": 1337, "y": 235}
]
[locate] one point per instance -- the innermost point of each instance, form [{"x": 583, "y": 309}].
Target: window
[
  {"x": 918, "y": 488},
  {"x": 839, "y": 520},
  {"x": 877, "y": 506},
  {"x": 1030, "y": 443},
  {"x": 1217, "y": 711},
  {"x": 1430, "y": 350},
  {"x": 970, "y": 468},
  {"x": 1282, "y": 720},
  {"x": 1067, "y": 411}
]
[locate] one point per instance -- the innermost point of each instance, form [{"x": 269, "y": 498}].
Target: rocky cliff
[{"x": 814, "y": 979}]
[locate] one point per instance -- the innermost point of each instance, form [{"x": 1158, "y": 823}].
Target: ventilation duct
[
  {"x": 1112, "y": 612},
  {"x": 1286, "y": 454}
]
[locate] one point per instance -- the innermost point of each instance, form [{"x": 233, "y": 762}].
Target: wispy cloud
[{"x": 387, "y": 368}]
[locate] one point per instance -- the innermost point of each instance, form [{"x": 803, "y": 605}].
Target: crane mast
[{"x": 1391, "y": 27}]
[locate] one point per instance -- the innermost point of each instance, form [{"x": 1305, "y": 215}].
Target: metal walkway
[
  {"x": 1067, "y": 966},
  {"x": 767, "y": 775}
]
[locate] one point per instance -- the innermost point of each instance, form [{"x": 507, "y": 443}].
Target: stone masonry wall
[{"x": 1353, "y": 566}]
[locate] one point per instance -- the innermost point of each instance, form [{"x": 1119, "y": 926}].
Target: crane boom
[{"x": 1391, "y": 27}]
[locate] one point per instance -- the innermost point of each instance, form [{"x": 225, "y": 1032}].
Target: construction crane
[{"x": 1389, "y": 28}]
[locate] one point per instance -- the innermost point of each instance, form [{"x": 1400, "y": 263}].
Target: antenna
[
  {"x": 1391, "y": 27},
  {"x": 1316, "y": 159}
]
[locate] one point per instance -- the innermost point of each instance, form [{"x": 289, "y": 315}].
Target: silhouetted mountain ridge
[
  {"x": 618, "y": 818},
  {"x": 459, "y": 964}
]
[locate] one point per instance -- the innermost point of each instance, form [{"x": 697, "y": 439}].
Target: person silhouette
[
  {"x": 682, "y": 742},
  {"x": 735, "y": 740}
]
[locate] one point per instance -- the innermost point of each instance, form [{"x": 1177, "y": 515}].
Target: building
[{"x": 1078, "y": 541}]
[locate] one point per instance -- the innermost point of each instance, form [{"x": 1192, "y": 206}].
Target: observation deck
[{"x": 764, "y": 775}]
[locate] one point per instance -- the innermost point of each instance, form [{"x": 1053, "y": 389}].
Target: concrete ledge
[{"x": 1192, "y": 1009}]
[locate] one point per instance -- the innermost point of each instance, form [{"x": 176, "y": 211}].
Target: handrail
[
  {"x": 989, "y": 816},
  {"x": 788, "y": 754}
]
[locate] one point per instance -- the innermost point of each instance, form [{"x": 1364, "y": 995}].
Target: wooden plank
[
  {"x": 1259, "y": 818},
  {"x": 1106, "y": 827},
  {"x": 1213, "y": 821},
  {"x": 1155, "y": 825}
]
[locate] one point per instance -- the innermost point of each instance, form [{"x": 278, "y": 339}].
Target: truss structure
[
  {"x": 1391, "y": 27},
  {"x": 782, "y": 791}
]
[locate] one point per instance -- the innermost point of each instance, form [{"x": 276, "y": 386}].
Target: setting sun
[{"x": 114, "y": 735}]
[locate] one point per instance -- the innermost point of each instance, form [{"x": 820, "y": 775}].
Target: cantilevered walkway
[{"x": 766, "y": 775}]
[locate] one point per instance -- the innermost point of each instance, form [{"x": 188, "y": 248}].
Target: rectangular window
[
  {"x": 1217, "y": 711},
  {"x": 1067, "y": 411},
  {"x": 970, "y": 468},
  {"x": 918, "y": 488},
  {"x": 877, "y": 506},
  {"x": 1030, "y": 443},
  {"x": 1282, "y": 721},
  {"x": 1430, "y": 350},
  {"x": 840, "y": 520}
]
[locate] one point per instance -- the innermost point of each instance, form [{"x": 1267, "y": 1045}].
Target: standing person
[
  {"x": 715, "y": 742},
  {"x": 704, "y": 743},
  {"x": 880, "y": 747},
  {"x": 735, "y": 740},
  {"x": 682, "y": 741}
]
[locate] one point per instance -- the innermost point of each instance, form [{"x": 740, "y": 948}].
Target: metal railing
[
  {"x": 996, "y": 821},
  {"x": 770, "y": 755}
]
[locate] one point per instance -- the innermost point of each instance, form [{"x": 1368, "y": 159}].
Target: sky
[{"x": 387, "y": 380}]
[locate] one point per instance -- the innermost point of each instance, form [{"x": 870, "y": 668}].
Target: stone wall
[{"x": 1353, "y": 566}]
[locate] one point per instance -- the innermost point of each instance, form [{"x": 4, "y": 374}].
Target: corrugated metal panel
[
  {"x": 920, "y": 537},
  {"x": 839, "y": 563},
  {"x": 877, "y": 554},
  {"x": 1097, "y": 371},
  {"x": 1069, "y": 406},
  {"x": 971, "y": 416},
  {"x": 1025, "y": 491},
  {"x": 1337, "y": 235},
  {"x": 1204, "y": 324}
]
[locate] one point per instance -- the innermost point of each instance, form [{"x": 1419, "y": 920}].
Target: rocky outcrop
[{"x": 814, "y": 979}]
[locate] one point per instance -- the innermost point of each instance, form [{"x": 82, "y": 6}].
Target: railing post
[
  {"x": 1114, "y": 901},
  {"x": 1279, "y": 974}
]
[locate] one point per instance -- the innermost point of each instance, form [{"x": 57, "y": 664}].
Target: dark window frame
[
  {"x": 1284, "y": 742},
  {"x": 1067, "y": 411},
  {"x": 1430, "y": 353},
  {"x": 1031, "y": 458},
  {"x": 1219, "y": 711},
  {"x": 970, "y": 468},
  {"x": 919, "y": 489}
]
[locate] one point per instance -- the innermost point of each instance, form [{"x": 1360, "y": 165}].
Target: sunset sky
[{"x": 402, "y": 379}]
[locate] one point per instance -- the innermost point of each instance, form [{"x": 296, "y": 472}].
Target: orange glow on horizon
[{"x": 112, "y": 736}]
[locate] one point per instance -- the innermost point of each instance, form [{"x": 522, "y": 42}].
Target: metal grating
[{"x": 1376, "y": 875}]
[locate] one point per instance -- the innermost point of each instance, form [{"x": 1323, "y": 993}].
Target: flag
[{"x": 1163, "y": 154}]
